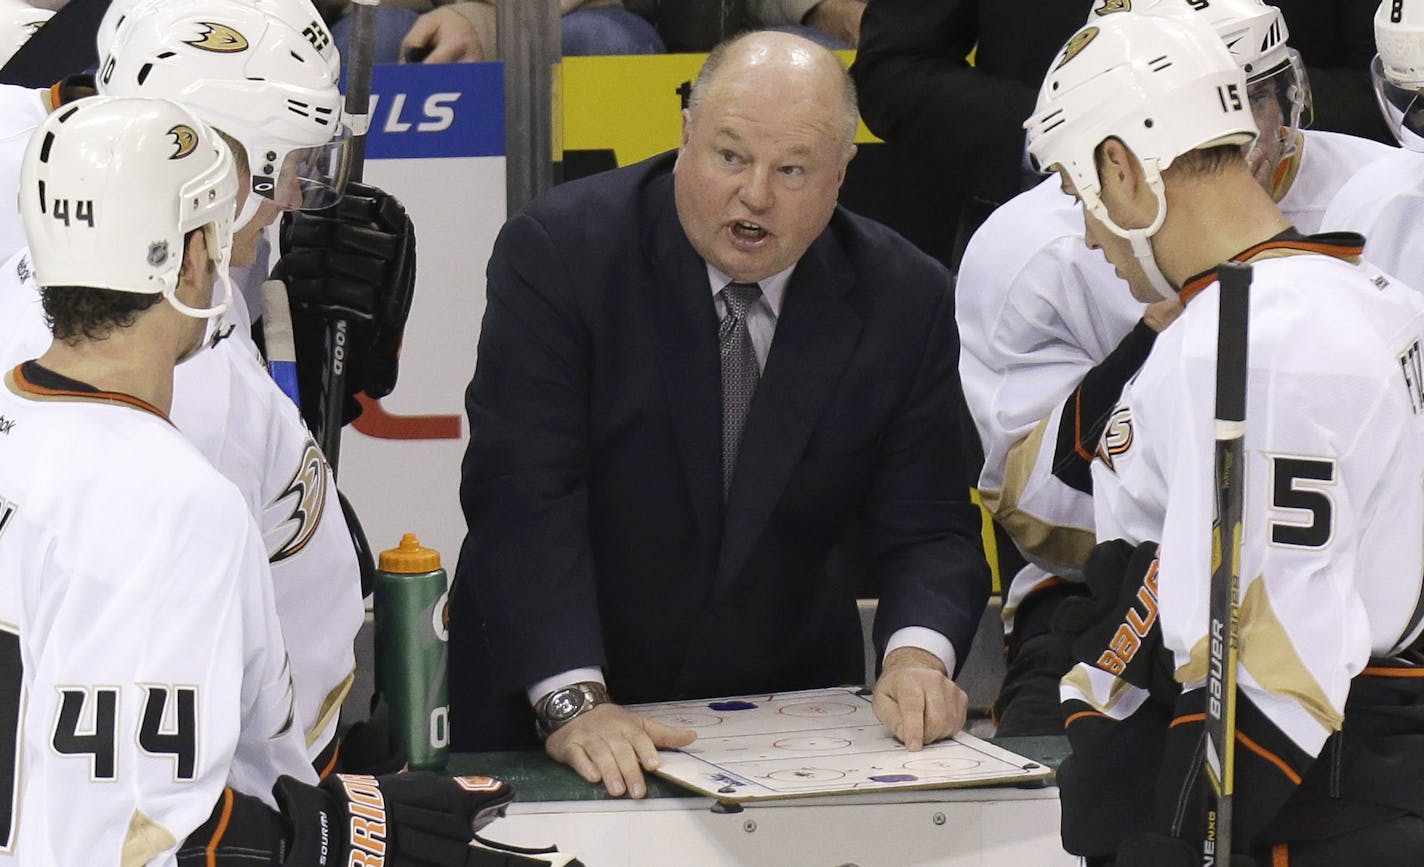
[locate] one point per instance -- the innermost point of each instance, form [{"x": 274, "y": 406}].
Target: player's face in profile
[
  {"x": 759, "y": 170},
  {"x": 1115, "y": 249},
  {"x": 1265, "y": 155},
  {"x": 286, "y": 197}
]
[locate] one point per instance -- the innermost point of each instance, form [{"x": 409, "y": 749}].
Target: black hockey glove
[
  {"x": 1155, "y": 850},
  {"x": 411, "y": 820},
  {"x": 353, "y": 261},
  {"x": 1115, "y": 627},
  {"x": 399, "y": 820}
]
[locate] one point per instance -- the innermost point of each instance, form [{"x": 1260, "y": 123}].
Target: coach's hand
[
  {"x": 613, "y": 745},
  {"x": 916, "y": 700}
]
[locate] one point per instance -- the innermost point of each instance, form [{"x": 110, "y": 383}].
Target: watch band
[{"x": 562, "y": 706}]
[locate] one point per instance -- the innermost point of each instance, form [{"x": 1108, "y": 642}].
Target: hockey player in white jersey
[
  {"x": 139, "y": 626},
  {"x": 1050, "y": 334},
  {"x": 1141, "y": 121},
  {"x": 146, "y": 707},
  {"x": 1385, "y": 200},
  {"x": 224, "y": 401}
]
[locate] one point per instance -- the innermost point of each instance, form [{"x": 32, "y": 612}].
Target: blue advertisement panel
[{"x": 436, "y": 111}]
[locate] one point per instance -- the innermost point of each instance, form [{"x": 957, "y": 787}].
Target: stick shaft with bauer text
[{"x": 1231, "y": 371}]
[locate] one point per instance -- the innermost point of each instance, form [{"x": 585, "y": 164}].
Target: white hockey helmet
[
  {"x": 18, "y": 22},
  {"x": 1398, "y": 69},
  {"x": 109, "y": 188},
  {"x": 300, "y": 14},
  {"x": 250, "y": 75},
  {"x": 1163, "y": 86},
  {"x": 1256, "y": 35}
]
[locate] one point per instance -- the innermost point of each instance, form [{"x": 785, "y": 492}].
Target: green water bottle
[{"x": 412, "y": 650}]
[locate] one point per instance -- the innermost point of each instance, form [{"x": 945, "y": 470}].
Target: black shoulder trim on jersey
[
  {"x": 1087, "y": 409},
  {"x": 1341, "y": 245}
]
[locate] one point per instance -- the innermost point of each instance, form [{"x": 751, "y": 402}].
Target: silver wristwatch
[{"x": 558, "y": 708}]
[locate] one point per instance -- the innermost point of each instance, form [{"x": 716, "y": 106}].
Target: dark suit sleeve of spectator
[
  {"x": 1336, "y": 39},
  {"x": 918, "y": 91},
  {"x": 924, "y": 532},
  {"x": 523, "y": 484}
]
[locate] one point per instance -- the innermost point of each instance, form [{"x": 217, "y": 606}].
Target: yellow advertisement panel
[{"x": 633, "y": 105}]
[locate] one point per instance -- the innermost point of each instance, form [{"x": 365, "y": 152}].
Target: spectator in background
[
  {"x": 919, "y": 91},
  {"x": 441, "y": 31},
  {"x": 833, "y": 23}
]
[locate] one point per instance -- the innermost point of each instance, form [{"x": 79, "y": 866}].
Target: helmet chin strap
[
  {"x": 212, "y": 331},
  {"x": 1139, "y": 239}
]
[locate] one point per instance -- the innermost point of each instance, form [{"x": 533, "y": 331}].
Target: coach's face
[{"x": 763, "y": 155}]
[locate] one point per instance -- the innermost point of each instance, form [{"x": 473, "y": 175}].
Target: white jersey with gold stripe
[
  {"x": 1333, "y": 547},
  {"x": 143, "y": 663},
  {"x": 1037, "y": 312},
  {"x": 229, "y": 408}
]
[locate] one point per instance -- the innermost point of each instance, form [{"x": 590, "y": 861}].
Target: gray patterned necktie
[{"x": 739, "y": 372}]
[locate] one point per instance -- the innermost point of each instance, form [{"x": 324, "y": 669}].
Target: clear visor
[
  {"x": 310, "y": 178},
  {"x": 1402, "y": 106},
  {"x": 1281, "y": 104}
]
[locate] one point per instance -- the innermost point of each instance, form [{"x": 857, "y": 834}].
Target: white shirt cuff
[
  {"x": 567, "y": 678},
  {"x": 925, "y": 639}
]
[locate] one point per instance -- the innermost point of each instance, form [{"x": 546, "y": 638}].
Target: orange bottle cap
[{"x": 410, "y": 557}]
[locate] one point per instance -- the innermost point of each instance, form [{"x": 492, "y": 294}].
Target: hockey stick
[
  {"x": 279, "y": 339},
  {"x": 358, "y": 106},
  {"x": 1231, "y": 360}
]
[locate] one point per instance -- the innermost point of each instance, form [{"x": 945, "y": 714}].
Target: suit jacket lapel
[
  {"x": 816, "y": 335},
  {"x": 681, "y": 301}
]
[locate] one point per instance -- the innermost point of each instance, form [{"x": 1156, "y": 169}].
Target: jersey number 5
[{"x": 1300, "y": 485}]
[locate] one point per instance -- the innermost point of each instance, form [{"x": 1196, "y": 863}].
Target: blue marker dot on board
[
  {"x": 732, "y": 705},
  {"x": 895, "y": 778}
]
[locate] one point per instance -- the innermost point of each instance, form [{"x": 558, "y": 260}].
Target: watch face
[{"x": 565, "y": 703}]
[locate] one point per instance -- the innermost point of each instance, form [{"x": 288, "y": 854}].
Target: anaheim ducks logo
[
  {"x": 1076, "y": 44},
  {"x": 218, "y": 38},
  {"x": 1111, "y": 6},
  {"x": 308, "y": 487},
  {"x": 185, "y": 141},
  {"x": 1117, "y": 437}
]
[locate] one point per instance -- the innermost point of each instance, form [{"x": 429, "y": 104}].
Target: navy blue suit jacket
[{"x": 592, "y": 484}]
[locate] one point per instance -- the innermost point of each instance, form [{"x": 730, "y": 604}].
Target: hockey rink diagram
[{"x": 818, "y": 742}]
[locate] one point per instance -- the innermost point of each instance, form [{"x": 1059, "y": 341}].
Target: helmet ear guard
[
  {"x": 242, "y": 68},
  {"x": 110, "y": 188}
]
